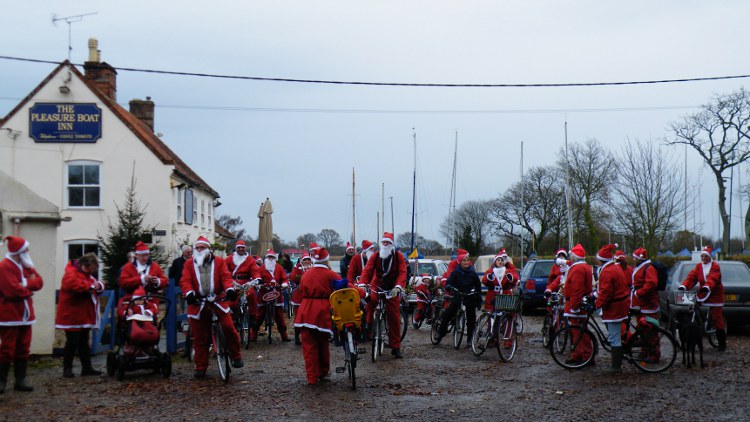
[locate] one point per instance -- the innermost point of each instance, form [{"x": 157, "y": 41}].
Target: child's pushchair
[{"x": 137, "y": 342}]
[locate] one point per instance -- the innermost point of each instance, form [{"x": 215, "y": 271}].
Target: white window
[
  {"x": 203, "y": 213},
  {"x": 75, "y": 249},
  {"x": 189, "y": 206},
  {"x": 83, "y": 184},
  {"x": 195, "y": 210},
  {"x": 179, "y": 205}
]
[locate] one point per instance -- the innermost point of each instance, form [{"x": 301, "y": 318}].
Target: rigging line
[{"x": 400, "y": 84}]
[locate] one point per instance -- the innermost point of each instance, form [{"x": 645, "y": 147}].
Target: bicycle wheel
[
  {"x": 404, "y": 323},
  {"x": 269, "y": 322},
  {"x": 377, "y": 337},
  {"x": 222, "y": 354},
  {"x": 507, "y": 338},
  {"x": 435, "y": 327},
  {"x": 652, "y": 350},
  {"x": 458, "y": 329},
  {"x": 547, "y": 330},
  {"x": 482, "y": 335},
  {"x": 567, "y": 356},
  {"x": 710, "y": 331},
  {"x": 351, "y": 358},
  {"x": 519, "y": 324},
  {"x": 416, "y": 320},
  {"x": 245, "y": 330},
  {"x": 559, "y": 342}
]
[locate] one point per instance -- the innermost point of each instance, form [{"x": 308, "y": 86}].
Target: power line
[{"x": 401, "y": 84}]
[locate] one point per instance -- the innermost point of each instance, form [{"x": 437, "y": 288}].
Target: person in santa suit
[
  {"x": 303, "y": 264},
  {"x": 612, "y": 298},
  {"x": 143, "y": 272},
  {"x": 578, "y": 284},
  {"x": 18, "y": 282},
  {"x": 354, "y": 273},
  {"x": 500, "y": 278},
  {"x": 554, "y": 272},
  {"x": 244, "y": 270},
  {"x": 645, "y": 296},
  {"x": 271, "y": 276},
  {"x": 344, "y": 263},
  {"x": 205, "y": 278},
  {"x": 707, "y": 274},
  {"x": 141, "y": 313},
  {"x": 313, "y": 318},
  {"x": 622, "y": 262},
  {"x": 423, "y": 288},
  {"x": 386, "y": 270},
  {"x": 78, "y": 311},
  {"x": 555, "y": 284}
]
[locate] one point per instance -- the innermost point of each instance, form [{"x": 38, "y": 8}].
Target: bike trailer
[{"x": 345, "y": 307}]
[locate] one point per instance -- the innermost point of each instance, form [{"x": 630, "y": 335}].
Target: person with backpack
[
  {"x": 645, "y": 296},
  {"x": 707, "y": 274}
]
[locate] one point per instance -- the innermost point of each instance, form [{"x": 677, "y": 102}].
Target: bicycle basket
[
  {"x": 684, "y": 297},
  {"x": 271, "y": 296},
  {"x": 508, "y": 303}
]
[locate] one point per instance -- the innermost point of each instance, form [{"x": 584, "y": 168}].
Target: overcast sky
[{"x": 297, "y": 143}]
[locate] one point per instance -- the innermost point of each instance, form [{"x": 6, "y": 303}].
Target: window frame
[
  {"x": 68, "y": 186},
  {"x": 189, "y": 206}
]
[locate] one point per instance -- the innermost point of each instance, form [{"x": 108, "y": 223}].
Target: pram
[{"x": 137, "y": 340}]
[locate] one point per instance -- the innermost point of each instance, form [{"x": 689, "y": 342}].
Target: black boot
[
  {"x": 68, "y": 367},
  {"x": 86, "y": 368},
  {"x": 616, "y": 366},
  {"x": 296, "y": 337},
  {"x": 721, "y": 337},
  {"x": 3, "y": 376},
  {"x": 19, "y": 368}
]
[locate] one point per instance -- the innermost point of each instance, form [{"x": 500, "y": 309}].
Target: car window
[
  {"x": 427, "y": 268},
  {"x": 442, "y": 268},
  {"x": 542, "y": 269}
]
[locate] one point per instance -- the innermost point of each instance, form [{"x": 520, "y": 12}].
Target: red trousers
[
  {"x": 278, "y": 316},
  {"x": 316, "y": 354},
  {"x": 716, "y": 313},
  {"x": 584, "y": 349},
  {"x": 393, "y": 318},
  {"x": 15, "y": 342},
  {"x": 202, "y": 336}
]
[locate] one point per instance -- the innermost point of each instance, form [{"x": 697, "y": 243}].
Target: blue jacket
[{"x": 464, "y": 280}]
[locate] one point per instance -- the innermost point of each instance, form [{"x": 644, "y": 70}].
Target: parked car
[
  {"x": 534, "y": 282},
  {"x": 483, "y": 263},
  {"x": 433, "y": 267},
  {"x": 735, "y": 276}
]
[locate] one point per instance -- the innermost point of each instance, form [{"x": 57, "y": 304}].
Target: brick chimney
[
  {"x": 101, "y": 74},
  {"x": 144, "y": 111}
]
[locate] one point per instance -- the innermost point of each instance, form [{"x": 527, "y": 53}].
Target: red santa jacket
[
  {"x": 378, "y": 277},
  {"x": 356, "y": 266},
  {"x": 296, "y": 275},
  {"x": 78, "y": 303},
  {"x": 452, "y": 266},
  {"x": 497, "y": 286},
  {"x": 710, "y": 279},
  {"x": 578, "y": 283},
  {"x": 314, "y": 290},
  {"x": 613, "y": 294},
  {"x": 246, "y": 271},
  {"x": 554, "y": 273},
  {"x": 17, "y": 284},
  {"x": 645, "y": 281},
  {"x": 149, "y": 308},
  {"x": 131, "y": 278},
  {"x": 221, "y": 281}
]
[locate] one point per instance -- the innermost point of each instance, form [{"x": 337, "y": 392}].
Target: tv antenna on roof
[{"x": 69, "y": 20}]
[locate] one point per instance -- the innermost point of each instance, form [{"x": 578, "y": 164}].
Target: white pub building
[{"x": 67, "y": 153}]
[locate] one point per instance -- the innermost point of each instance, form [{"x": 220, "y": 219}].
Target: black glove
[
  {"x": 509, "y": 277},
  {"x": 704, "y": 289},
  {"x": 191, "y": 299},
  {"x": 232, "y": 295}
]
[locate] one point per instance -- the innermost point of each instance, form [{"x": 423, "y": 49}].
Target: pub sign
[{"x": 65, "y": 122}]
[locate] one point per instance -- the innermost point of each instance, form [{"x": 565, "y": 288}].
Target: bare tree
[
  {"x": 473, "y": 224},
  {"x": 425, "y": 246},
  {"x": 719, "y": 133},
  {"x": 329, "y": 238},
  {"x": 650, "y": 198},
  {"x": 234, "y": 225},
  {"x": 306, "y": 239},
  {"x": 590, "y": 166}
]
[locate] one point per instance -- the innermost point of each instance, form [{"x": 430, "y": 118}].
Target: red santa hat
[
  {"x": 270, "y": 252},
  {"x": 619, "y": 255},
  {"x": 706, "y": 251},
  {"x": 641, "y": 254},
  {"x": 305, "y": 256},
  {"x": 607, "y": 252},
  {"x": 387, "y": 237},
  {"x": 561, "y": 251},
  {"x": 319, "y": 255},
  {"x": 141, "y": 248},
  {"x": 139, "y": 293},
  {"x": 16, "y": 245},
  {"x": 313, "y": 245},
  {"x": 578, "y": 251},
  {"x": 202, "y": 241},
  {"x": 240, "y": 244},
  {"x": 349, "y": 246},
  {"x": 460, "y": 254},
  {"x": 257, "y": 258},
  {"x": 425, "y": 275},
  {"x": 501, "y": 254},
  {"x": 366, "y": 244}
]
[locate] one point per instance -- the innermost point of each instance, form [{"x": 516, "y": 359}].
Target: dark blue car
[{"x": 534, "y": 282}]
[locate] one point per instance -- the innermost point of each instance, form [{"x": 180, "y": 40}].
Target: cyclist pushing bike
[
  {"x": 386, "y": 270},
  {"x": 612, "y": 298},
  {"x": 578, "y": 284},
  {"x": 500, "y": 279},
  {"x": 707, "y": 275},
  {"x": 244, "y": 270},
  {"x": 273, "y": 276},
  {"x": 463, "y": 279},
  {"x": 204, "y": 280}
]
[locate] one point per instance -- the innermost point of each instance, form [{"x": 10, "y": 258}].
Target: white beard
[
  {"x": 199, "y": 257},
  {"x": 369, "y": 253},
  {"x": 270, "y": 265},
  {"x": 499, "y": 273},
  {"x": 386, "y": 251},
  {"x": 26, "y": 260},
  {"x": 239, "y": 259}
]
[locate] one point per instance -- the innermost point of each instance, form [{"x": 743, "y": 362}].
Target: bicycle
[
  {"x": 639, "y": 347},
  {"x": 431, "y": 309},
  {"x": 380, "y": 326},
  {"x": 346, "y": 314},
  {"x": 218, "y": 341},
  {"x": 288, "y": 306},
  {"x": 242, "y": 318},
  {"x": 458, "y": 323},
  {"x": 269, "y": 301},
  {"x": 554, "y": 320},
  {"x": 695, "y": 312},
  {"x": 502, "y": 320}
]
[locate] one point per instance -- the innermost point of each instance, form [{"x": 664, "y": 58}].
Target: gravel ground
[{"x": 430, "y": 383}]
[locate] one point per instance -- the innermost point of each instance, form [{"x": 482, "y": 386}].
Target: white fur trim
[{"x": 314, "y": 327}]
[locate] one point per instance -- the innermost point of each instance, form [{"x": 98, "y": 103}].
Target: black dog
[{"x": 691, "y": 335}]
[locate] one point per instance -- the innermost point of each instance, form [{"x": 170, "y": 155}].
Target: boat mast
[
  {"x": 414, "y": 190},
  {"x": 452, "y": 200},
  {"x": 354, "y": 214},
  {"x": 523, "y": 205},
  {"x": 567, "y": 189}
]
